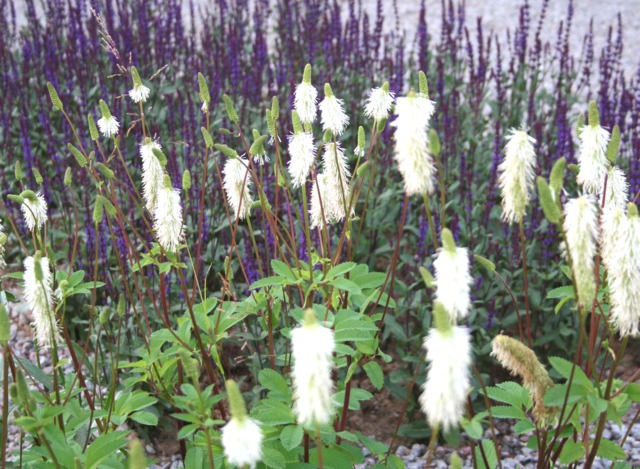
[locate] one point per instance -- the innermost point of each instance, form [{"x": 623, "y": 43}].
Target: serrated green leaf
[
  {"x": 571, "y": 452},
  {"x": 610, "y": 450},
  {"x": 375, "y": 374},
  {"x": 291, "y": 436}
]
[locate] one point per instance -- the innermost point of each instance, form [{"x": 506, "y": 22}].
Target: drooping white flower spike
[
  {"x": 3, "y": 242},
  {"x": 167, "y": 217},
  {"x": 107, "y": 124},
  {"x": 237, "y": 185},
  {"x": 592, "y": 157},
  {"x": 241, "y": 436},
  {"x": 312, "y": 347},
  {"x": 379, "y": 103},
  {"x": 334, "y": 187},
  {"x": 616, "y": 192},
  {"x": 139, "y": 93},
  {"x": 415, "y": 163},
  {"x": 331, "y": 112},
  {"x": 453, "y": 279},
  {"x": 581, "y": 228},
  {"x": 305, "y": 96},
  {"x": 37, "y": 293},
  {"x": 445, "y": 392},
  {"x": 34, "y": 210},
  {"x": 302, "y": 152},
  {"x": 152, "y": 173},
  {"x": 624, "y": 275},
  {"x": 517, "y": 173}
]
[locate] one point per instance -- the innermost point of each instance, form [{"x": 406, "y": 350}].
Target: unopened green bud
[
  {"x": 224, "y": 131},
  {"x": 108, "y": 206},
  {"x": 236, "y": 402},
  {"x": 557, "y": 175},
  {"x": 441, "y": 318},
  {"x": 55, "y": 99},
  {"x": 231, "y": 111},
  {"x": 328, "y": 136},
  {"x": 434, "y": 143},
  {"x": 98, "y": 210},
  {"x": 574, "y": 168},
  {"x": 16, "y": 198},
  {"x": 205, "y": 97},
  {"x": 208, "y": 141},
  {"x": 448, "y": 243},
  {"x": 137, "y": 455},
  {"x": 37, "y": 176},
  {"x": 549, "y": 207},
  {"x": 427, "y": 277},
  {"x": 190, "y": 366},
  {"x": 104, "y": 110},
  {"x": 297, "y": 124},
  {"x": 77, "y": 154},
  {"x": 484, "y": 262},
  {"x": 17, "y": 168},
  {"x": 257, "y": 148},
  {"x": 363, "y": 168},
  {"x": 162, "y": 159},
  {"x": 275, "y": 108},
  {"x": 423, "y": 85},
  {"x": 309, "y": 317},
  {"x": 104, "y": 316},
  {"x": 456, "y": 462},
  {"x": 362, "y": 140},
  {"x": 614, "y": 145},
  {"x": 381, "y": 124},
  {"x": 385, "y": 87},
  {"x": 226, "y": 151},
  {"x": 632, "y": 210},
  {"x": 93, "y": 130},
  {"x": 135, "y": 76},
  {"x": 306, "y": 77},
  {"x": 122, "y": 305},
  {"x": 23, "y": 389},
  {"x": 5, "y": 326},
  {"x": 167, "y": 182},
  {"x": 68, "y": 177},
  {"x": 105, "y": 171},
  {"x": 13, "y": 392},
  {"x": 271, "y": 126},
  {"x": 37, "y": 266},
  {"x": 328, "y": 92},
  {"x": 186, "y": 180},
  {"x": 594, "y": 115},
  {"x": 29, "y": 195}
]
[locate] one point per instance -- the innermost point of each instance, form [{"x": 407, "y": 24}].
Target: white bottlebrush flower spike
[
  {"x": 237, "y": 185},
  {"x": 415, "y": 163},
  {"x": 318, "y": 196},
  {"x": 34, "y": 210},
  {"x": 167, "y": 218},
  {"x": 379, "y": 103},
  {"x": 241, "y": 436},
  {"x": 152, "y": 174},
  {"x": 617, "y": 190},
  {"x": 302, "y": 153},
  {"x": 107, "y": 124},
  {"x": 581, "y": 228},
  {"x": 139, "y": 93},
  {"x": 38, "y": 295},
  {"x": 453, "y": 278},
  {"x": 334, "y": 187},
  {"x": 592, "y": 158},
  {"x": 517, "y": 173},
  {"x": 445, "y": 391},
  {"x": 305, "y": 97},
  {"x": 331, "y": 113},
  {"x": 312, "y": 348},
  {"x": 624, "y": 276},
  {"x": 3, "y": 242},
  {"x": 613, "y": 223}
]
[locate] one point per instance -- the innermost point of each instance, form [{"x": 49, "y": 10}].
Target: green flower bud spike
[
  {"x": 614, "y": 145},
  {"x": 37, "y": 176},
  {"x": 37, "y": 267},
  {"x": 231, "y": 111},
  {"x": 5, "y": 326},
  {"x": 306, "y": 77},
  {"x": 137, "y": 455},
  {"x": 297, "y": 124},
  {"x": 98, "y": 211},
  {"x": 448, "y": 243},
  {"x": 385, "y": 86},
  {"x": 362, "y": 142},
  {"x": 549, "y": 207},
  {"x": 275, "y": 108},
  {"x": 434, "y": 143},
  {"x": 236, "y": 402},
  {"x": 580, "y": 124},
  {"x": 441, "y": 318},
  {"x": 208, "y": 141},
  {"x": 190, "y": 366},
  {"x": 556, "y": 177},
  {"x": 328, "y": 92},
  {"x": 186, "y": 180},
  {"x": 167, "y": 182},
  {"x": 55, "y": 99},
  {"x": 93, "y": 130},
  {"x": 328, "y": 136},
  {"x": 485, "y": 263},
  {"x": 205, "y": 97},
  {"x": 226, "y": 151},
  {"x": 122, "y": 305},
  {"x": 271, "y": 124},
  {"x": 427, "y": 277},
  {"x": 632, "y": 210},
  {"x": 18, "y": 170},
  {"x": 77, "y": 154},
  {"x": 104, "y": 109},
  {"x": 68, "y": 175},
  {"x": 136, "y": 78},
  {"x": 456, "y": 462},
  {"x": 422, "y": 83},
  {"x": 594, "y": 115}
]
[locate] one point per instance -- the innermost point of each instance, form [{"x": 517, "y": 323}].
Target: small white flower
[
  {"x": 304, "y": 101},
  {"x": 378, "y": 104},
  {"x": 332, "y": 114},
  {"x": 205, "y": 106},
  {"x": 152, "y": 174},
  {"x": 237, "y": 185},
  {"x": 37, "y": 294},
  {"x": 453, "y": 282},
  {"x": 108, "y": 126},
  {"x": 139, "y": 93},
  {"x": 447, "y": 385},
  {"x": 592, "y": 158},
  {"x": 517, "y": 173},
  {"x": 415, "y": 163},
  {"x": 242, "y": 442},
  {"x": 303, "y": 153},
  {"x": 261, "y": 158},
  {"x": 168, "y": 219},
  {"x": 34, "y": 212},
  {"x": 624, "y": 278},
  {"x": 359, "y": 152},
  {"x": 312, "y": 348},
  {"x": 581, "y": 228}
]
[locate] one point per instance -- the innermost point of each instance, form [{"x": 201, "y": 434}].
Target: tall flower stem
[{"x": 526, "y": 280}]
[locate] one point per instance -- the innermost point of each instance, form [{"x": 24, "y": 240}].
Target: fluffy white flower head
[
  {"x": 449, "y": 357},
  {"x": 581, "y": 228},
  {"x": 37, "y": 294},
  {"x": 453, "y": 279},
  {"x": 237, "y": 184},
  {"x": 379, "y": 103},
  {"x": 305, "y": 97},
  {"x": 139, "y": 93},
  {"x": 592, "y": 158},
  {"x": 152, "y": 173},
  {"x": 415, "y": 163},
  {"x": 241, "y": 436},
  {"x": 302, "y": 152},
  {"x": 312, "y": 347},
  {"x": 333, "y": 184},
  {"x": 517, "y": 173},
  {"x": 34, "y": 210},
  {"x": 167, "y": 218},
  {"x": 614, "y": 220},
  {"x": 107, "y": 124},
  {"x": 616, "y": 192},
  {"x": 331, "y": 112}
]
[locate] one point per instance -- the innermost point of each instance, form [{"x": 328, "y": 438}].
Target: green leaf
[
  {"x": 36, "y": 373},
  {"x": 556, "y": 395},
  {"x": 564, "y": 367},
  {"x": 561, "y": 292},
  {"x": 490, "y": 452},
  {"x": 571, "y": 452},
  {"x": 268, "y": 282},
  {"x": 375, "y": 374},
  {"x": 507, "y": 412},
  {"x": 272, "y": 412},
  {"x": 275, "y": 382},
  {"x": 346, "y": 285},
  {"x": 291, "y": 436},
  {"x": 283, "y": 270},
  {"x": 103, "y": 446},
  {"x": 195, "y": 458},
  {"x": 145, "y": 418},
  {"x": 473, "y": 429},
  {"x": 610, "y": 450},
  {"x": 340, "y": 269},
  {"x": 523, "y": 426},
  {"x": 273, "y": 458}
]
